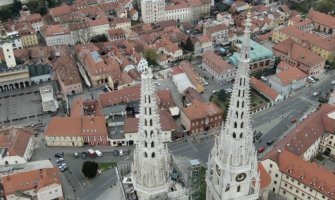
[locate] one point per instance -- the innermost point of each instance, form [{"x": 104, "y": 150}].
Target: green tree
[
  {"x": 325, "y": 6},
  {"x": 99, "y": 38},
  {"x": 189, "y": 45},
  {"x": 89, "y": 169},
  {"x": 151, "y": 56}
]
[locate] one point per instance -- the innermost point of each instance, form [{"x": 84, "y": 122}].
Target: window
[
  {"x": 296, "y": 191},
  {"x": 284, "y": 192},
  {"x": 276, "y": 175},
  {"x": 275, "y": 182},
  {"x": 270, "y": 165},
  {"x": 238, "y": 188}
]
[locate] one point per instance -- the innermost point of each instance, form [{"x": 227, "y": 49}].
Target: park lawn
[{"x": 106, "y": 165}]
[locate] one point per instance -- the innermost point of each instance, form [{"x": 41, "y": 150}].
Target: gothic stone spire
[
  {"x": 151, "y": 159},
  {"x": 232, "y": 166}
]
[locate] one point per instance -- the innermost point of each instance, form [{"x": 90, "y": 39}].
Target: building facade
[
  {"x": 153, "y": 11},
  {"x": 57, "y": 35}
]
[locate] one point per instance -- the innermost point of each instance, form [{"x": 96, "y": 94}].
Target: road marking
[
  {"x": 307, "y": 100},
  {"x": 186, "y": 147}
]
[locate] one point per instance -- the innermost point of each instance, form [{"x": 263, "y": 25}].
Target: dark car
[
  {"x": 116, "y": 153},
  {"x": 83, "y": 155},
  {"x": 270, "y": 142},
  {"x": 59, "y": 155}
]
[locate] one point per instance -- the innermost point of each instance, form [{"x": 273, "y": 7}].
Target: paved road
[{"x": 273, "y": 122}]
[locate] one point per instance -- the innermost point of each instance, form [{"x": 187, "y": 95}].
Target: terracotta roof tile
[
  {"x": 216, "y": 63},
  {"x": 216, "y": 28},
  {"x": 67, "y": 70},
  {"x": 194, "y": 77},
  {"x": 93, "y": 125},
  {"x": 310, "y": 174},
  {"x": 263, "y": 88},
  {"x": 164, "y": 99},
  {"x": 64, "y": 126},
  {"x": 127, "y": 94},
  {"x": 61, "y": 10},
  {"x": 193, "y": 95},
  {"x": 321, "y": 18},
  {"x": 26, "y": 181},
  {"x": 15, "y": 140},
  {"x": 288, "y": 76},
  {"x": 284, "y": 66},
  {"x": 264, "y": 176},
  {"x": 201, "y": 110}
]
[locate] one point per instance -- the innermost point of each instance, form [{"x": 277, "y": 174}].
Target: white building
[
  {"x": 8, "y": 53},
  {"x": 180, "y": 13},
  {"x": 13, "y": 38},
  {"x": 221, "y": 71},
  {"x": 153, "y": 10},
  {"x": 288, "y": 81},
  {"x": 49, "y": 103},
  {"x": 57, "y": 35},
  {"x": 232, "y": 171},
  {"x": 41, "y": 184},
  {"x": 218, "y": 34},
  {"x": 16, "y": 146}
]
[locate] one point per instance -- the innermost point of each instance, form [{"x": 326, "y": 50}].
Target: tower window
[
  {"x": 145, "y": 154},
  {"x": 238, "y": 103},
  {"x": 153, "y": 155},
  {"x": 146, "y": 133},
  {"x": 149, "y": 111},
  {"x": 145, "y": 144},
  {"x": 241, "y": 135},
  {"x": 236, "y": 114},
  {"x": 235, "y": 125},
  {"x": 239, "y": 93},
  {"x": 149, "y": 99},
  {"x": 152, "y": 144},
  {"x": 241, "y": 115},
  {"x": 238, "y": 188},
  {"x": 234, "y": 135},
  {"x": 242, "y": 104},
  {"x": 145, "y": 122},
  {"x": 145, "y": 111},
  {"x": 242, "y": 125},
  {"x": 151, "y": 133},
  {"x": 150, "y": 122}
]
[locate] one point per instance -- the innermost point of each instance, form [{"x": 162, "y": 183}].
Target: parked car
[
  {"x": 261, "y": 149},
  {"x": 115, "y": 153},
  {"x": 264, "y": 78},
  {"x": 59, "y": 155},
  {"x": 60, "y": 160},
  {"x": 83, "y": 155},
  {"x": 315, "y": 94},
  {"x": 76, "y": 155},
  {"x": 91, "y": 153},
  {"x": 270, "y": 142},
  {"x": 64, "y": 168},
  {"x": 121, "y": 152},
  {"x": 333, "y": 82},
  {"x": 98, "y": 153},
  {"x": 62, "y": 165}
]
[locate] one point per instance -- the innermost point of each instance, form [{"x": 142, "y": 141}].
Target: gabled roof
[
  {"x": 125, "y": 95},
  {"x": 300, "y": 139},
  {"x": 290, "y": 75},
  {"x": 216, "y": 63},
  {"x": 307, "y": 173},
  {"x": 263, "y": 88},
  {"x": 321, "y": 18},
  {"x": 15, "y": 140}
]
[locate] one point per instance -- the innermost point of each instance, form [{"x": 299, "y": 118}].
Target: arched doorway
[
  {"x": 11, "y": 87},
  {"x": 85, "y": 143},
  {"x": 131, "y": 143},
  {"x": 73, "y": 92},
  {"x": 1, "y": 88},
  {"x": 16, "y": 85},
  {"x": 27, "y": 83},
  {"x": 21, "y": 85},
  {"x": 5, "y": 87}
]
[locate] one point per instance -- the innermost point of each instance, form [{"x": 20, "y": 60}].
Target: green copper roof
[{"x": 257, "y": 52}]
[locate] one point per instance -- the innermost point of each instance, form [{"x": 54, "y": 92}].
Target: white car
[
  {"x": 315, "y": 94},
  {"x": 264, "y": 78},
  {"x": 333, "y": 82}
]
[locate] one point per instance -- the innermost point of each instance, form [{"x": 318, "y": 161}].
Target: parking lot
[{"x": 20, "y": 106}]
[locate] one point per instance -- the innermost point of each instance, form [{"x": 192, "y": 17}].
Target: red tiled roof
[
  {"x": 264, "y": 176},
  {"x": 216, "y": 63},
  {"x": 284, "y": 66},
  {"x": 61, "y": 10},
  {"x": 263, "y": 88},
  {"x": 306, "y": 133},
  {"x": 164, "y": 98},
  {"x": 127, "y": 94},
  {"x": 176, "y": 70},
  {"x": 15, "y": 140},
  {"x": 311, "y": 174},
  {"x": 321, "y": 18},
  {"x": 31, "y": 180},
  {"x": 288, "y": 76},
  {"x": 201, "y": 110}
]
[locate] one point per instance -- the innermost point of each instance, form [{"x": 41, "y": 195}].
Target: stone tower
[
  {"x": 232, "y": 166},
  {"x": 9, "y": 54},
  {"x": 150, "y": 170}
]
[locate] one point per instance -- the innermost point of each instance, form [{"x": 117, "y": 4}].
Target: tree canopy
[
  {"x": 89, "y": 169},
  {"x": 151, "y": 56}
]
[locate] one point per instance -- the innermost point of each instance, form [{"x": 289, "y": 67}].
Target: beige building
[
  {"x": 16, "y": 146},
  {"x": 28, "y": 35},
  {"x": 202, "y": 44},
  {"x": 42, "y": 184}
]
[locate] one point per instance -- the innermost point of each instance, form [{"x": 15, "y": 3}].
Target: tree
[
  {"x": 99, "y": 38},
  {"x": 89, "y": 169},
  {"x": 151, "y": 56},
  {"x": 189, "y": 45}
]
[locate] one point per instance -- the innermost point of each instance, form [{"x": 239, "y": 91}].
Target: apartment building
[{"x": 57, "y": 35}]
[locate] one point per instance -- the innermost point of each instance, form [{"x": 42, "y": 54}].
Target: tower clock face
[{"x": 240, "y": 177}]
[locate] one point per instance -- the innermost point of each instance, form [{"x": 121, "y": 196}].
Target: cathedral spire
[
  {"x": 151, "y": 158},
  {"x": 232, "y": 166}
]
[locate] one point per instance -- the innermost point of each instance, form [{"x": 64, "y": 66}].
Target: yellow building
[
  {"x": 28, "y": 35},
  {"x": 324, "y": 47},
  {"x": 14, "y": 78}
]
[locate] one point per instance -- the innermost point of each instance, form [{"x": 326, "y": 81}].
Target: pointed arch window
[
  {"x": 238, "y": 104},
  {"x": 236, "y": 114},
  {"x": 243, "y": 93},
  {"x": 242, "y": 115},
  {"x": 244, "y": 81},
  {"x": 238, "y": 188},
  {"x": 153, "y": 155},
  {"x": 149, "y": 111},
  {"x": 242, "y": 124},
  {"x": 240, "y": 81},
  {"x": 235, "y": 125},
  {"x": 242, "y": 104},
  {"x": 149, "y": 101},
  {"x": 152, "y": 144},
  {"x": 151, "y": 133},
  {"x": 150, "y": 122},
  {"x": 239, "y": 93},
  {"x": 145, "y": 154},
  {"x": 241, "y": 135},
  {"x": 145, "y": 122},
  {"x": 234, "y": 135},
  {"x": 227, "y": 188},
  {"x": 146, "y": 133},
  {"x": 145, "y": 144}
]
